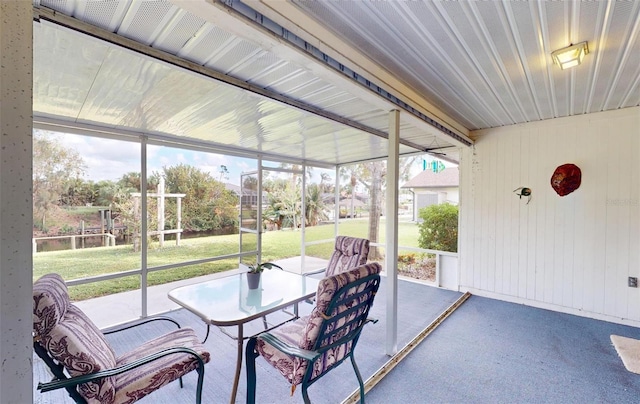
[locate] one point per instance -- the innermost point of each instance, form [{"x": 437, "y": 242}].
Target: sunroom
[{"x": 267, "y": 82}]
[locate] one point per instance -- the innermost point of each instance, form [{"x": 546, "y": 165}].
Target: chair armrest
[
  {"x": 74, "y": 381},
  {"x": 122, "y": 327},
  {"x": 288, "y": 349}
]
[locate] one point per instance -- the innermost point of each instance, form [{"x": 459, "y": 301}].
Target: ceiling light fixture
[{"x": 571, "y": 55}]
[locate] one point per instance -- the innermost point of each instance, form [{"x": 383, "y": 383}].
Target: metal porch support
[
  {"x": 16, "y": 212},
  {"x": 144, "y": 223},
  {"x": 259, "y": 211},
  {"x": 391, "y": 248}
]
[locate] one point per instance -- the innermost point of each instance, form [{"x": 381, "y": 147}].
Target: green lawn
[{"x": 74, "y": 264}]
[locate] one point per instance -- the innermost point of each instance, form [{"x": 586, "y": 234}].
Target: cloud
[
  {"x": 110, "y": 159},
  {"x": 104, "y": 159}
]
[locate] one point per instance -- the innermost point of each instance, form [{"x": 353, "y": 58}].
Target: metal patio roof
[
  {"x": 152, "y": 68},
  {"x": 483, "y": 63},
  {"x": 314, "y": 80}
]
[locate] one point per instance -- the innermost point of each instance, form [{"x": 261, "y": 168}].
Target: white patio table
[{"x": 228, "y": 301}]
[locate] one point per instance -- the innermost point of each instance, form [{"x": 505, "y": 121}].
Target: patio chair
[
  {"x": 83, "y": 362},
  {"x": 306, "y": 349},
  {"x": 348, "y": 253}
]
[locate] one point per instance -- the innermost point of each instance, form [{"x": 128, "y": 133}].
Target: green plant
[
  {"x": 258, "y": 268},
  {"x": 66, "y": 229},
  {"x": 407, "y": 258},
  {"x": 439, "y": 229}
]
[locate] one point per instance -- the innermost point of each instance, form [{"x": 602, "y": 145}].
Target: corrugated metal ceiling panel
[
  {"x": 488, "y": 63},
  {"x": 197, "y": 108},
  {"x": 61, "y": 88},
  {"x": 144, "y": 20},
  {"x": 134, "y": 100},
  {"x": 178, "y": 32},
  {"x": 103, "y": 14}
]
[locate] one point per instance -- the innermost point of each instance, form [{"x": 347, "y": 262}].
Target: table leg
[{"x": 238, "y": 364}]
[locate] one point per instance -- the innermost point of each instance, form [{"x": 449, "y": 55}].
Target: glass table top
[{"x": 229, "y": 301}]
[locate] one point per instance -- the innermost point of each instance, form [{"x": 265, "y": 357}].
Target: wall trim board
[
  {"x": 551, "y": 307},
  {"x": 554, "y": 122}
]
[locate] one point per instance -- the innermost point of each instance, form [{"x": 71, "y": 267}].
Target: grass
[{"x": 75, "y": 264}]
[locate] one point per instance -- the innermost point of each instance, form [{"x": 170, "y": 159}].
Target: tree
[
  {"x": 283, "y": 206},
  {"x": 439, "y": 229},
  {"x": 224, "y": 172},
  {"x": 373, "y": 176},
  {"x": 106, "y": 192},
  {"x": 207, "y": 205},
  {"x": 314, "y": 206},
  {"x": 129, "y": 211},
  {"x": 130, "y": 181},
  {"x": 78, "y": 192},
  {"x": 54, "y": 167},
  {"x": 326, "y": 185},
  {"x": 283, "y": 202}
]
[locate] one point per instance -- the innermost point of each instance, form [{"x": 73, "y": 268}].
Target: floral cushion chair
[
  {"x": 71, "y": 345},
  {"x": 348, "y": 253},
  {"x": 307, "y": 348}
]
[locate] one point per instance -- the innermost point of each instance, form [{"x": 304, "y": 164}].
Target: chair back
[
  {"x": 349, "y": 252},
  {"x": 66, "y": 339},
  {"x": 342, "y": 306}
]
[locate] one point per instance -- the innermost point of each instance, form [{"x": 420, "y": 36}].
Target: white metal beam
[
  {"x": 391, "y": 248},
  {"x": 224, "y": 17},
  {"x": 292, "y": 18}
]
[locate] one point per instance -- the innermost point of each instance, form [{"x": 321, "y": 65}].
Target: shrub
[
  {"x": 439, "y": 229},
  {"x": 407, "y": 258},
  {"x": 66, "y": 229}
]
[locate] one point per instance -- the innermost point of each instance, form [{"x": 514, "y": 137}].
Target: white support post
[
  {"x": 16, "y": 212},
  {"x": 336, "y": 206},
  {"x": 179, "y": 213},
  {"x": 143, "y": 226},
  {"x": 259, "y": 212},
  {"x": 303, "y": 208},
  {"x": 391, "y": 243},
  {"x": 161, "y": 211}
]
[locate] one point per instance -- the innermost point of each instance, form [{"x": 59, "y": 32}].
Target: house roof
[
  {"x": 233, "y": 188},
  {"x": 449, "y": 177}
]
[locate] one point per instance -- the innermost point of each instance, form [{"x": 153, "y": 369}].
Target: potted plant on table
[{"x": 253, "y": 275}]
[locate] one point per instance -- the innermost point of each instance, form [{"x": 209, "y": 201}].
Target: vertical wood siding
[{"x": 571, "y": 253}]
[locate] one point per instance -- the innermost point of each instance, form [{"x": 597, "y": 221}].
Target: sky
[{"x": 108, "y": 159}]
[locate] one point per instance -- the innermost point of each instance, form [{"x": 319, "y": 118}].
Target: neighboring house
[
  {"x": 248, "y": 196},
  {"x": 233, "y": 188},
  {"x": 431, "y": 188},
  {"x": 360, "y": 202}
]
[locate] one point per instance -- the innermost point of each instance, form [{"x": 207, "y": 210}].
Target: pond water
[{"x": 97, "y": 240}]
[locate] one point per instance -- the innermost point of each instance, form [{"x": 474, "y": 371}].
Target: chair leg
[
  {"x": 355, "y": 368},
  {"x": 250, "y": 359},
  {"x": 305, "y": 394},
  {"x": 200, "y": 370},
  {"x": 181, "y": 384}
]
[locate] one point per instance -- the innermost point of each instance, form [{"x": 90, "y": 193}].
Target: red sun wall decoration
[{"x": 566, "y": 179}]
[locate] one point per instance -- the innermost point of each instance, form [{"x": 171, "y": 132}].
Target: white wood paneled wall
[{"x": 572, "y": 253}]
